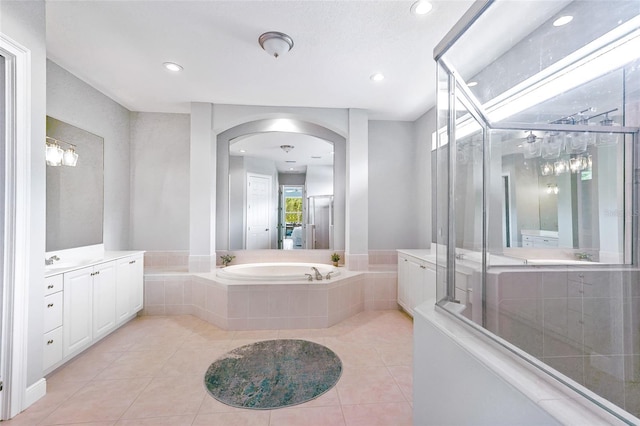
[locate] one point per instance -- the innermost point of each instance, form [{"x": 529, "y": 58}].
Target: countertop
[{"x": 66, "y": 265}]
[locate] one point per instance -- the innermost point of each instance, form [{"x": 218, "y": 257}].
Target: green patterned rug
[{"x": 273, "y": 374}]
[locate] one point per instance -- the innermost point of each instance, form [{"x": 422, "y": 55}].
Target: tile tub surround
[{"x": 269, "y": 306}]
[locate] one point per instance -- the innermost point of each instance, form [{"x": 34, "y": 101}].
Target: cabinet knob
[
  {"x": 50, "y": 305},
  {"x": 132, "y": 262},
  {"x": 423, "y": 267},
  {"x": 50, "y": 286},
  {"x": 49, "y": 342}
]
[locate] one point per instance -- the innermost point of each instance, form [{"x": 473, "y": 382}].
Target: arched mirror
[{"x": 280, "y": 186}]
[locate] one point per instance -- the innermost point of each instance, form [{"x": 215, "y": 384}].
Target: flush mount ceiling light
[
  {"x": 172, "y": 66},
  {"x": 472, "y": 84},
  {"x": 378, "y": 76},
  {"x": 563, "y": 20},
  {"x": 275, "y": 43},
  {"x": 421, "y": 7},
  {"x": 286, "y": 148}
]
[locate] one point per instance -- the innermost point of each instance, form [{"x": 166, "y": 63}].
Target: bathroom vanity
[
  {"x": 85, "y": 300},
  {"x": 416, "y": 278}
]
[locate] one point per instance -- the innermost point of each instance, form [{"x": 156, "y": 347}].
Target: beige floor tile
[
  {"x": 308, "y": 416},
  {"x": 395, "y": 354},
  {"x": 404, "y": 378},
  {"x": 208, "y": 337},
  {"x": 86, "y": 366},
  {"x": 168, "y": 396},
  {"x": 136, "y": 364},
  {"x": 190, "y": 362},
  {"x": 368, "y": 385},
  {"x": 210, "y": 405},
  {"x": 99, "y": 400},
  {"x": 239, "y": 418},
  {"x": 328, "y": 398},
  {"x": 382, "y": 414},
  {"x": 354, "y": 354},
  {"x": 158, "y": 421}
]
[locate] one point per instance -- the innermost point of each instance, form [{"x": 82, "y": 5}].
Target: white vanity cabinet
[
  {"x": 52, "y": 346},
  {"x": 416, "y": 281},
  {"x": 130, "y": 287},
  {"x": 82, "y": 304}
]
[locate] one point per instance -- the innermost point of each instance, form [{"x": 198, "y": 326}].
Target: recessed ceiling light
[
  {"x": 243, "y": 150},
  {"x": 421, "y": 7},
  {"x": 316, "y": 157},
  {"x": 171, "y": 66},
  {"x": 472, "y": 83},
  {"x": 563, "y": 20},
  {"x": 291, "y": 169},
  {"x": 377, "y": 76}
]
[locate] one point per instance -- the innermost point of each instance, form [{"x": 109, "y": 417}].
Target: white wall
[
  {"x": 319, "y": 180},
  {"x": 73, "y": 101},
  {"x": 393, "y": 197},
  {"x": 159, "y": 181},
  {"x": 24, "y": 22}
]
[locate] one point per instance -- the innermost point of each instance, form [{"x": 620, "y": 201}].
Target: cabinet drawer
[
  {"x": 52, "y": 348},
  {"x": 52, "y": 284},
  {"x": 52, "y": 311}
]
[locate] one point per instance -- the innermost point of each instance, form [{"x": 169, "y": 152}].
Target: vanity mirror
[
  {"x": 75, "y": 195},
  {"x": 258, "y": 168}
]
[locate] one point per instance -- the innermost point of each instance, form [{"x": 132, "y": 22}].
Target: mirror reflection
[
  {"x": 280, "y": 192},
  {"x": 75, "y": 201}
]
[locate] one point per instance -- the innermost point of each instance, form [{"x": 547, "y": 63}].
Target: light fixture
[
  {"x": 552, "y": 188},
  {"x": 378, "y": 76},
  {"x": 472, "y": 84},
  {"x": 56, "y": 156},
  {"x": 546, "y": 169},
  {"x": 275, "y": 43},
  {"x": 421, "y": 7},
  {"x": 607, "y": 138},
  {"x": 560, "y": 167},
  {"x": 563, "y": 20},
  {"x": 242, "y": 151},
  {"x": 286, "y": 148},
  {"x": 172, "y": 66}
]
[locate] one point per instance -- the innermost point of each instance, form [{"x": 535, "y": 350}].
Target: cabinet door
[
  {"x": 428, "y": 284},
  {"x": 137, "y": 283},
  {"x": 123, "y": 292},
  {"x": 78, "y": 300},
  {"x": 129, "y": 294},
  {"x": 402, "y": 281},
  {"x": 415, "y": 284},
  {"x": 104, "y": 299}
]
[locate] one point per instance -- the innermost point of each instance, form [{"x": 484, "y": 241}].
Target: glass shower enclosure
[{"x": 536, "y": 194}]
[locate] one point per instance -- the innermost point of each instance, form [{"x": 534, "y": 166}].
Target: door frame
[{"x": 16, "y": 219}]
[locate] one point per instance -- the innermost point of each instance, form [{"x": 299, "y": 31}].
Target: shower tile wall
[{"x": 581, "y": 322}]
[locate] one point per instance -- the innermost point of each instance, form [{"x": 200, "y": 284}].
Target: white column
[
  {"x": 357, "y": 209},
  {"x": 202, "y": 189}
]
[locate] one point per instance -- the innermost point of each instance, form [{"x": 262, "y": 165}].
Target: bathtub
[{"x": 281, "y": 271}]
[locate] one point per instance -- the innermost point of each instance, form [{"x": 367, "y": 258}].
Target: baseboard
[{"x": 35, "y": 392}]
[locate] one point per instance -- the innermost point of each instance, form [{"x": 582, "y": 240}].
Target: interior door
[{"x": 258, "y": 211}]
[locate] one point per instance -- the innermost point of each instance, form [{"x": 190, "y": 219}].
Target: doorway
[
  {"x": 291, "y": 221},
  {"x": 258, "y": 211}
]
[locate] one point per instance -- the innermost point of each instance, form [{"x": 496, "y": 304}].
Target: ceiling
[{"x": 118, "y": 47}]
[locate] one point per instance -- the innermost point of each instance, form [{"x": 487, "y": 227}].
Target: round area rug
[{"x": 273, "y": 374}]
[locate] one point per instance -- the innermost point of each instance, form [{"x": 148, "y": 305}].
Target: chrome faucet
[
  {"x": 329, "y": 275},
  {"x": 50, "y": 260},
  {"x": 310, "y": 277},
  {"x": 318, "y": 274},
  {"x": 584, "y": 256}
]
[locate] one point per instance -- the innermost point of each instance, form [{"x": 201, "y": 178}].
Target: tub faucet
[
  {"x": 329, "y": 275},
  {"x": 318, "y": 274},
  {"x": 50, "y": 260},
  {"x": 309, "y": 277}
]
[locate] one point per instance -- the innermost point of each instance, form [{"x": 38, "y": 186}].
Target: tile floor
[{"x": 151, "y": 371}]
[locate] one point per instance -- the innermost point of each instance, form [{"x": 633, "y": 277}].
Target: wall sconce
[
  {"x": 552, "y": 188},
  {"x": 56, "y": 156},
  {"x": 560, "y": 167}
]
